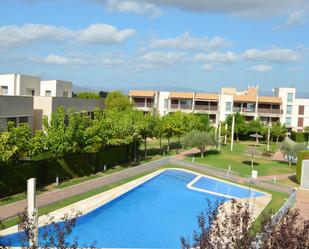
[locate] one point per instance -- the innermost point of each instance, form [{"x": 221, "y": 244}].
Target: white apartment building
[
  {"x": 26, "y": 99},
  {"x": 283, "y": 106},
  {"x": 56, "y": 88},
  {"x": 19, "y": 85}
]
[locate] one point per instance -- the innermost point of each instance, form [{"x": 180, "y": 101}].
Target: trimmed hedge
[
  {"x": 299, "y": 137},
  {"x": 14, "y": 175},
  {"x": 300, "y": 157}
]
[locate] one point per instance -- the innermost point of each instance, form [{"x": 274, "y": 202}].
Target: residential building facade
[
  {"x": 27, "y": 99},
  {"x": 282, "y": 106}
]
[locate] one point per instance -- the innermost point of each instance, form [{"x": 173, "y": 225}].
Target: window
[
  {"x": 288, "y": 121},
  {"x": 300, "y": 122},
  {"x": 290, "y": 97},
  {"x": 4, "y": 90},
  {"x": 228, "y": 106},
  {"x": 301, "y": 110},
  {"x": 166, "y": 103},
  {"x": 30, "y": 91},
  {"x": 65, "y": 94},
  {"x": 23, "y": 120},
  {"x": 288, "y": 109},
  {"x": 48, "y": 93}
]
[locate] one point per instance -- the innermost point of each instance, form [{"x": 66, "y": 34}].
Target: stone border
[{"x": 90, "y": 204}]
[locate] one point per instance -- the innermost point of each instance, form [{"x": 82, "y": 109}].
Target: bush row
[
  {"x": 14, "y": 175},
  {"x": 300, "y": 157}
]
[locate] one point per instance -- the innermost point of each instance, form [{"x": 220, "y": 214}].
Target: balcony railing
[
  {"x": 206, "y": 108},
  {"x": 247, "y": 110},
  {"x": 270, "y": 111},
  {"x": 182, "y": 107},
  {"x": 143, "y": 105}
]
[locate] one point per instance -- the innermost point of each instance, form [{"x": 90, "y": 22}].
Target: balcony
[
  {"x": 244, "y": 110},
  {"x": 206, "y": 108},
  {"x": 270, "y": 111},
  {"x": 143, "y": 105},
  {"x": 181, "y": 107}
]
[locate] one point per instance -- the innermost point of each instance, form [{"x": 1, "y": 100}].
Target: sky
[{"x": 199, "y": 45}]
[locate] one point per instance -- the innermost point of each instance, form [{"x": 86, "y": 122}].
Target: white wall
[
  {"x": 9, "y": 81},
  {"x": 223, "y": 99},
  {"x": 57, "y": 87},
  {"x": 25, "y": 82},
  {"x": 161, "y": 97}
]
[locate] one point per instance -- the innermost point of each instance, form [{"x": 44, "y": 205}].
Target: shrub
[
  {"x": 302, "y": 155},
  {"x": 298, "y": 137}
]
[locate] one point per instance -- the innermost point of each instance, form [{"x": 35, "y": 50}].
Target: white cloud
[
  {"x": 296, "y": 18},
  {"x": 104, "y": 33},
  {"x": 163, "y": 58},
  {"x": 137, "y": 7},
  {"x": 61, "y": 60},
  {"x": 211, "y": 68},
  {"x": 255, "y": 8},
  {"x": 217, "y": 57},
  {"x": 12, "y": 35},
  {"x": 272, "y": 55},
  {"x": 186, "y": 42},
  {"x": 261, "y": 68}
]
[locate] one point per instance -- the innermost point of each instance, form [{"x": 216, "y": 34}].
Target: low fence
[{"x": 12, "y": 210}]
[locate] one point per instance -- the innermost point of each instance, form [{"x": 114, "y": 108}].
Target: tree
[
  {"x": 88, "y": 95},
  {"x": 291, "y": 149},
  {"x": 232, "y": 226},
  {"x": 200, "y": 139},
  {"x": 195, "y": 121},
  {"x": 15, "y": 142},
  {"x": 240, "y": 124},
  {"x": 117, "y": 101},
  {"x": 147, "y": 125},
  {"x": 158, "y": 129},
  {"x": 255, "y": 127},
  {"x": 278, "y": 130}
]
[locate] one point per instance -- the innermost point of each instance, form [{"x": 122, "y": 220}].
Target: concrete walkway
[{"x": 302, "y": 202}]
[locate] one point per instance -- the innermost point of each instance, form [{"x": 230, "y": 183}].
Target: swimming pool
[{"x": 152, "y": 215}]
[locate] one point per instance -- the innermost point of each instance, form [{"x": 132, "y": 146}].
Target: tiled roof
[
  {"x": 207, "y": 96},
  {"x": 142, "y": 93},
  {"x": 181, "y": 95}
]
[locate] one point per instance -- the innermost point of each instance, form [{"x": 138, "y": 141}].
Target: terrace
[
  {"x": 269, "y": 106},
  {"x": 143, "y": 100},
  {"x": 206, "y": 103},
  {"x": 181, "y": 101},
  {"x": 245, "y": 104}
]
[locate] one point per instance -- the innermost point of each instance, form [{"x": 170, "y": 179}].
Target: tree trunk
[
  {"x": 237, "y": 137},
  {"x": 277, "y": 139},
  {"x": 145, "y": 143},
  {"x": 202, "y": 153},
  {"x": 168, "y": 144},
  {"x": 160, "y": 143},
  {"x": 135, "y": 151}
]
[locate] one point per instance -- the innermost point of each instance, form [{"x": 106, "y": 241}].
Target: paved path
[
  {"x": 278, "y": 176},
  {"x": 302, "y": 202},
  {"x": 185, "y": 153}
]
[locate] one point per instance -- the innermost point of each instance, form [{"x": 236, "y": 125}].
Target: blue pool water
[
  {"x": 225, "y": 188},
  {"x": 153, "y": 215}
]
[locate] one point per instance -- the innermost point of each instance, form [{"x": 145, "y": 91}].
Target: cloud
[
  {"x": 295, "y": 18},
  {"x": 261, "y": 68},
  {"x": 211, "y": 68},
  {"x": 186, "y": 42},
  {"x": 217, "y": 57},
  {"x": 137, "y": 7},
  {"x": 12, "y": 35},
  {"x": 294, "y": 69},
  {"x": 252, "y": 8},
  {"x": 163, "y": 58},
  {"x": 272, "y": 55},
  {"x": 61, "y": 60}
]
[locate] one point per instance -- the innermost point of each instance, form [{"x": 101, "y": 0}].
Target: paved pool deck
[{"x": 257, "y": 204}]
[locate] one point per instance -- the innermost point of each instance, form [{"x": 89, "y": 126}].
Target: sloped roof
[
  {"x": 142, "y": 93},
  {"x": 207, "y": 96},
  {"x": 270, "y": 99},
  {"x": 244, "y": 98},
  {"x": 181, "y": 95}
]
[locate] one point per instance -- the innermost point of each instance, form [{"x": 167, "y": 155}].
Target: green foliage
[
  {"x": 198, "y": 122},
  {"x": 88, "y": 95},
  {"x": 200, "y": 139},
  {"x": 240, "y": 124},
  {"x": 291, "y": 149},
  {"x": 302, "y": 155},
  {"x": 255, "y": 126},
  {"x": 299, "y": 137},
  {"x": 278, "y": 131},
  {"x": 15, "y": 142},
  {"x": 118, "y": 101}
]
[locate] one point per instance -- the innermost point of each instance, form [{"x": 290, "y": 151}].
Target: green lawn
[{"x": 241, "y": 163}]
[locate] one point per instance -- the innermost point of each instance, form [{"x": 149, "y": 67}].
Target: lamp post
[
  {"x": 219, "y": 137},
  {"x": 232, "y": 133},
  {"x": 32, "y": 212},
  {"x": 268, "y": 137}
]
